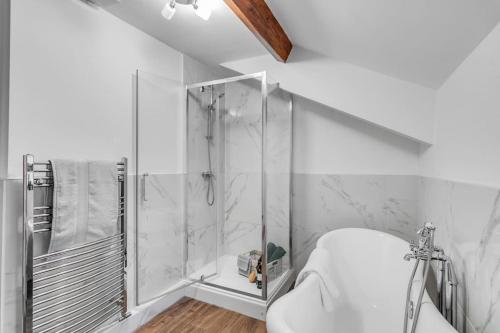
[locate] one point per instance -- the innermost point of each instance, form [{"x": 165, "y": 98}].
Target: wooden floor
[{"x": 189, "y": 315}]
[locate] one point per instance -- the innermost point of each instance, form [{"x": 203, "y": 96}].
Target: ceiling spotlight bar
[{"x": 202, "y": 8}]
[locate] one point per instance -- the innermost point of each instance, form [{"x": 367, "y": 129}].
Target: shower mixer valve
[{"x": 207, "y": 174}]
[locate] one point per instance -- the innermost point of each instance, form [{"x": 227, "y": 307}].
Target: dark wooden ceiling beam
[{"x": 259, "y": 18}]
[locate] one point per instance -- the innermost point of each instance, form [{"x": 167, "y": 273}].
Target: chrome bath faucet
[{"x": 426, "y": 252}]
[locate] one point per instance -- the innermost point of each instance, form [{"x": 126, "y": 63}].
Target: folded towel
[
  {"x": 277, "y": 254},
  {"x": 320, "y": 263},
  {"x": 270, "y": 250},
  {"x": 85, "y": 202}
]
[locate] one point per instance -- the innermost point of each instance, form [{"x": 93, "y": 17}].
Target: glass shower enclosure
[
  {"x": 232, "y": 204},
  {"x": 238, "y": 183}
]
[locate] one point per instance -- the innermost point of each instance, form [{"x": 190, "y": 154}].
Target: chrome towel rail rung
[
  {"x": 39, "y": 180},
  {"x": 121, "y": 172},
  {"x": 99, "y": 289},
  {"x": 105, "y": 259},
  {"x": 41, "y": 223},
  {"x": 50, "y": 299},
  {"x": 48, "y": 163},
  {"x": 79, "y": 274},
  {"x": 109, "y": 269},
  {"x": 96, "y": 322},
  {"x": 84, "y": 306},
  {"x": 42, "y": 215},
  {"x": 42, "y": 230},
  {"x": 42, "y": 208},
  {"x": 84, "y": 314},
  {"x": 113, "y": 294},
  {"x": 45, "y": 263},
  {"x": 79, "y": 247},
  {"x": 112, "y": 251}
]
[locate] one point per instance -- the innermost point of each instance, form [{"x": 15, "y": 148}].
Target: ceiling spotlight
[
  {"x": 169, "y": 10},
  {"x": 202, "y": 8}
]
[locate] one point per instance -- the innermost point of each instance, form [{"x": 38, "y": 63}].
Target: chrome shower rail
[{"x": 76, "y": 289}]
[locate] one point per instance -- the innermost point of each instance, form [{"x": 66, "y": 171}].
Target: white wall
[
  {"x": 4, "y": 111},
  {"x": 330, "y": 142},
  {"x": 4, "y": 84},
  {"x": 72, "y": 96},
  {"x": 397, "y": 105},
  {"x": 72, "y": 70},
  {"x": 196, "y": 72},
  {"x": 467, "y": 146}
]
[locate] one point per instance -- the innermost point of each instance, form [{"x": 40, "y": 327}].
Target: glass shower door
[
  {"x": 202, "y": 182},
  {"x": 278, "y": 156},
  {"x": 224, "y": 182},
  {"x": 160, "y": 237}
]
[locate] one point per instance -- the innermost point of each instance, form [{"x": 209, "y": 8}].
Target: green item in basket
[
  {"x": 270, "y": 250},
  {"x": 277, "y": 254}
]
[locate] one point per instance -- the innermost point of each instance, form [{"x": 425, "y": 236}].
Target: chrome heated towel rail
[{"x": 78, "y": 289}]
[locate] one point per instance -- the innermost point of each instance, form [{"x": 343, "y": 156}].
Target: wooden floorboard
[{"x": 189, "y": 315}]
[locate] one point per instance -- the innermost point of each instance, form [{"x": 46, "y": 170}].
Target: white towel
[
  {"x": 85, "y": 202},
  {"x": 320, "y": 263}
]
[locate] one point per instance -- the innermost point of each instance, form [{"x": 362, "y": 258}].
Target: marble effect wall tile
[
  {"x": 467, "y": 219},
  {"x": 243, "y": 128},
  {"x": 278, "y": 169},
  {"x": 201, "y": 224},
  {"x": 161, "y": 236},
  {"x": 322, "y": 203},
  {"x": 11, "y": 306},
  {"x": 242, "y": 230},
  {"x": 468, "y": 228},
  {"x": 279, "y": 132},
  {"x": 242, "y": 221}
]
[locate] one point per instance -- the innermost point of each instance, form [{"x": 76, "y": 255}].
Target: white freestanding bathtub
[{"x": 372, "y": 278}]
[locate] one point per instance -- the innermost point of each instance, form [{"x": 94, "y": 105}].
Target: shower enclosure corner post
[
  {"x": 290, "y": 187},
  {"x": 184, "y": 187},
  {"x": 27, "y": 259},
  {"x": 264, "y": 183},
  {"x": 220, "y": 179}
]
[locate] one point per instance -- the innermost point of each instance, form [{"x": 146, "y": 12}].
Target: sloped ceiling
[{"x": 420, "y": 41}]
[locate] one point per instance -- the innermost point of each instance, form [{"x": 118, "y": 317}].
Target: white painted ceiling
[
  {"x": 421, "y": 41},
  {"x": 222, "y": 38}
]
